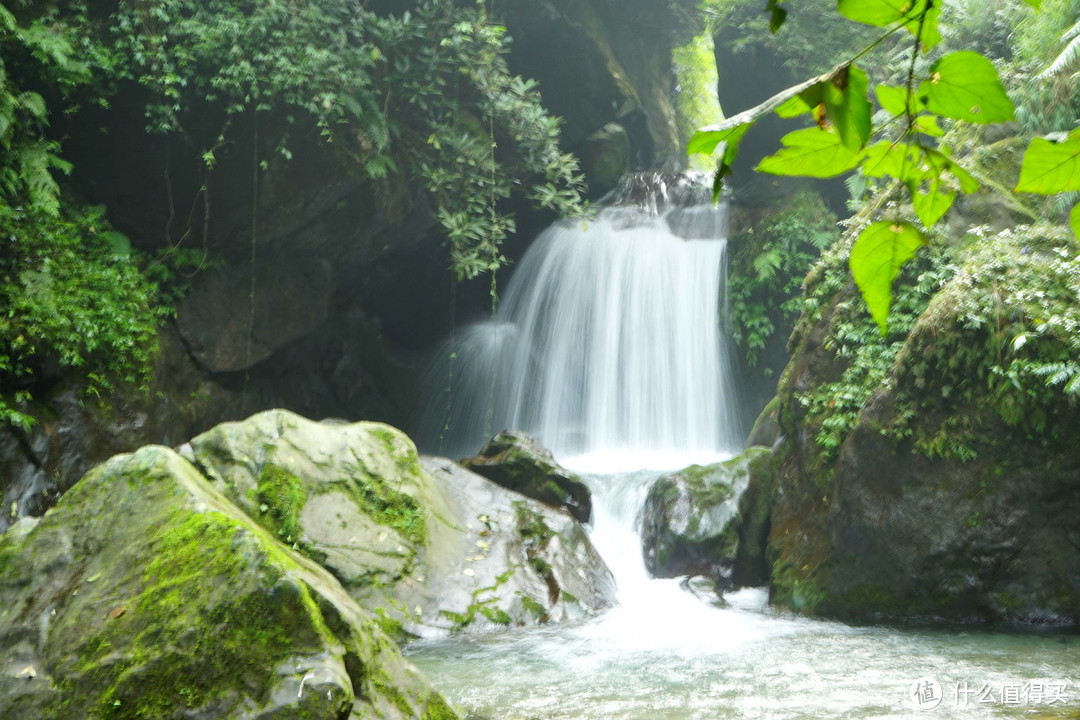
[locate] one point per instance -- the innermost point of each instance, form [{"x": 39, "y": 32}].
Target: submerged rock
[
  {"x": 147, "y": 594},
  {"x": 518, "y": 462},
  {"x": 704, "y": 589},
  {"x": 428, "y": 547},
  {"x": 692, "y": 519}
]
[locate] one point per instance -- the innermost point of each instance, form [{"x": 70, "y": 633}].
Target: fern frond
[{"x": 1067, "y": 58}]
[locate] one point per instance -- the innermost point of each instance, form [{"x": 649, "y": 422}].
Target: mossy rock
[
  {"x": 518, "y": 462},
  {"x": 147, "y": 594},
  {"x": 691, "y": 520},
  {"x": 951, "y": 491},
  {"x": 428, "y": 552}
]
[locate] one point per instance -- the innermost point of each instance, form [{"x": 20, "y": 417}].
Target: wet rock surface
[
  {"x": 691, "y": 520},
  {"x": 147, "y": 593},
  {"x": 426, "y": 545},
  {"x": 518, "y": 462}
]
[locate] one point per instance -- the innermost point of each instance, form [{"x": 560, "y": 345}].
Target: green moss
[
  {"x": 531, "y": 527},
  {"x": 382, "y": 686},
  {"x": 392, "y": 626},
  {"x": 540, "y": 565},
  {"x": 438, "y": 709},
  {"x": 533, "y": 607},
  {"x": 696, "y": 104},
  {"x": 397, "y": 447},
  {"x": 281, "y": 497},
  {"x": 384, "y": 504},
  {"x": 189, "y": 638}
]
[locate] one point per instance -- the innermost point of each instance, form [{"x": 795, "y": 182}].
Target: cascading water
[
  {"x": 608, "y": 339},
  {"x": 608, "y": 350}
]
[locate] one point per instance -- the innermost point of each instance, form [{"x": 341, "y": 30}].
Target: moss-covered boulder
[
  {"x": 934, "y": 473},
  {"x": 692, "y": 519},
  {"x": 147, "y": 594},
  {"x": 517, "y": 461},
  {"x": 427, "y": 547}
]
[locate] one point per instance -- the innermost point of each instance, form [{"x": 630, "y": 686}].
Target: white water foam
[{"x": 609, "y": 341}]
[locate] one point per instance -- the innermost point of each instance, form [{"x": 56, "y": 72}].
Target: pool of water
[{"x": 663, "y": 654}]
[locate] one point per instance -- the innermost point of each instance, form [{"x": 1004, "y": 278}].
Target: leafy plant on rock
[{"x": 957, "y": 86}]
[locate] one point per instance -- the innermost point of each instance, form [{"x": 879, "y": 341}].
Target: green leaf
[
  {"x": 880, "y": 13},
  {"x": 941, "y": 162},
  {"x": 1074, "y": 220},
  {"x": 895, "y": 159},
  {"x": 705, "y": 141},
  {"x": 876, "y": 258},
  {"x": 802, "y": 103},
  {"x": 928, "y": 125},
  {"x": 965, "y": 85},
  {"x": 777, "y": 15},
  {"x": 1051, "y": 167},
  {"x": 718, "y": 181},
  {"x": 893, "y": 99},
  {"x": 34, "y": 104},
  {"x": 887, "y": 13},
  {"x": 846, "y": 105},
  {"x": 811, "y": 152},
  {"x": 932, "y": 205},
  {"x": 117, "y": 242}
]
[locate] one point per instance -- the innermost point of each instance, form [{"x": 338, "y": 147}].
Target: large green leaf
[
  {"x": 847, "y": 106},
  {"x": 705, "y": 141},
  {"x": 880, "y": 13},
  {"x": 932, "y": 205},
  {"x": 1051, "y": 167},
  {"x": 893, "y": 99},
  {"x": 811, "y": 152},
  {"x": 802, "y": 103},
  {"x": 876, "y": 258},
  {"x": 886, "y": 13},
  {"x": 940, "y": 162},
  {"x": 965, "y": 85},
  {"x": 895, "y": 159}
]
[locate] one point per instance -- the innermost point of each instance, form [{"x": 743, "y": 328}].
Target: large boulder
[
  {"x": 692, "y": 520},
  {"x": 935, "y": 474},
  {"x": 518, "y": 462},
  {"x": 147, "y": 594},
  {"x": 426, "y": 546}
]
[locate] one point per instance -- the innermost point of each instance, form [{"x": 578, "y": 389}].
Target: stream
[
  {"x": 610, "y": 347},
  {"x": 663, "y": 654}
]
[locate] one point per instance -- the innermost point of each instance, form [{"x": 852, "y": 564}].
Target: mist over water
[{"x": 608, "y": 340}]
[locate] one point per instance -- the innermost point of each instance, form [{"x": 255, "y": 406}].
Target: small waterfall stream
[
  {"x": 608, "y": 349},
  {"x": 608, "y": 337},
  {"x": 663, "y": 654}
]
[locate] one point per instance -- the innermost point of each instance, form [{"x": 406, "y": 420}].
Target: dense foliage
[
  {"x": 422, "y": 96},
  {"x": 766, "y": 273},
  {"x": 901, "y": 140},
  {"x": 73, "y": 297},
  {"x": 75, "y": 301},
  {"x": 425, "y": 94}
]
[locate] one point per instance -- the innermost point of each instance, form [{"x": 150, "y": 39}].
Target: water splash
[{"x": 609, "y": 337}]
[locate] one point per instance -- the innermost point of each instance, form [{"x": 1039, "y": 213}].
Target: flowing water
[
  {"x": 609, "y": 349},
  {"x": 663, "y": 654},
  {"x": 608, "y": 339}
]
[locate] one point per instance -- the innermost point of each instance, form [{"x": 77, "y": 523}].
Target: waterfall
[{"x": 609, "y": 337}]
